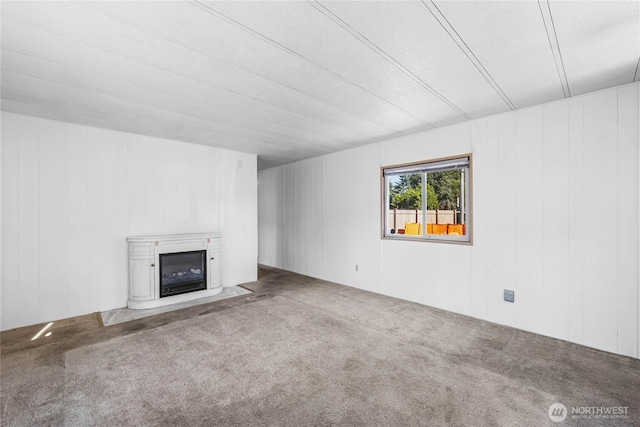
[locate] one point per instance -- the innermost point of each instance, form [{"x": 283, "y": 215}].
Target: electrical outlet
[
  {"x": 509, "y": 296},
  {"x": 356, "y": 268}
]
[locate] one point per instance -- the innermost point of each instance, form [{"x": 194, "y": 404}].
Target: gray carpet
[
  {"x": 319, "y": 357},
  {"x": 303, "y": 352},
  {"x": 283, "y": 362}
]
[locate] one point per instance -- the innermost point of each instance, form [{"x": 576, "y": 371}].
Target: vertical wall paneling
[
  {"x": 229, "y": 216},
  {"x": 481, "y": 217},
  {"x": 271, "y": 217},
  {"x": 2, "y": 275},
  {"x": 221, "y": 178},
  {"x": 556, "y": 191},
  {"x": 10, "y": 221},
  {"x": 576, "y": 213},
  {"x": 53, "y": 202},
  {"x": 2, "y": 234},
  {"x": 528, "y": 218},
  {"x": 494, "y": 291},
  {"x": 601, "y": 229},
  {"x": 227, "y": 164},
  {"x": 555, "y": 222},
  {"x": 243, "y": 220},
  {"x": 78, "y": 230},
  {"x": 290, "y": 218},
  {"x": 29, "y": 207},
  {"x": 455, "y": 276},
  {"x": 367, "y": 222},
  {"x": 142, "y": 193},
  {"x": 198, "y": 187},
  {"x": 205, "y": 197},
  {"x": 161, "y": 187},
  {"x": 280, "y": 220},
  {"x": 302, "y": 221},
  {"x": 121, "y": 283},
  {"x": 627, "y": 210},
  {"x": 309, "y": 185},
  {"x": 316, "y": 219},
  {"x": 109, "y": 218},
  {"x": 506, "y": 188},
  {"x": 337, "y": 258},
  {"x": 93, "y": 220},
  {"x": 175, "y": 201},
  {"x": 319, "y": 229},
  {"x": 72, "y": 194},
  {"x": 352, "y": 219},
  {"x": 302, "y": 217},
  {"x": 215, "y": 178}
]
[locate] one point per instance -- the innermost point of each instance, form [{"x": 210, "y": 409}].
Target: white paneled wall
[
  {"x": 271, "y": 218},
  {"x": 304, "y": 217},
  {"x": 351, "y": 185},
  {"x": 72, "y": 194},
  {"x": 555, "y": 199}
]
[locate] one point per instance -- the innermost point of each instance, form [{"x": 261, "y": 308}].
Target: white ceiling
[{"x": 291, "y": 80}]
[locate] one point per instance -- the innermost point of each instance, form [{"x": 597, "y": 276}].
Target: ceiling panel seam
[
  {"x": 378, "y": 50},
  {"x": 295, "y": 54},
  {"x": 245, "y": 70},
  {"x": 137, "y": 86},
  {"x": 455, "y": 36},
  {"x": 547, "y": 19}
]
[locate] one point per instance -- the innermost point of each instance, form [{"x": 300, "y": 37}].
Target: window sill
[{"x": 431, "y": 240}]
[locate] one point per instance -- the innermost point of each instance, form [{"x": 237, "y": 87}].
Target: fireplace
[
  {"x": 182, "y": 272},
  {"x": 169, "y": 269}
]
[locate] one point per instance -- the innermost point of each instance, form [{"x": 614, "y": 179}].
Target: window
[{"x": 436, "y": 193}]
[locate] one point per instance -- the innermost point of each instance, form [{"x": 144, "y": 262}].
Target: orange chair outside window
[
  {"x": 439, "y": 228},
  {"x": 413, "y": 228},
  {"x": 455, "y": 230}
]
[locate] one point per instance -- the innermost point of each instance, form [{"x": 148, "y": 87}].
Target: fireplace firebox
[{"x": 182, "y": 272}]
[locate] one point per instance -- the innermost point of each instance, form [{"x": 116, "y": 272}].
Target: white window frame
[{"x": 463, "y": 161}]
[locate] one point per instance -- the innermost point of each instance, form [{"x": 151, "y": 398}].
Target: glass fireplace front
[{"x": 182, "y": 272}]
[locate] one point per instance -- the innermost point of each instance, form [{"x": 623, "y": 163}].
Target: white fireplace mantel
[{"x": 144, "y": 270}]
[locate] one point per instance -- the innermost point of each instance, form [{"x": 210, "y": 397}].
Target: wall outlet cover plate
[{"x": 509, "y": 296}]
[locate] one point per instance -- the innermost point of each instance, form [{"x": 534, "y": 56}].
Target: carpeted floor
[{"x": 303, "y": 352}]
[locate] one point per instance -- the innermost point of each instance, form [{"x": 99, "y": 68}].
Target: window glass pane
[
  {"x": 446, "y": 202},
  {"x": 429, "y": 200},
  {"x": 404, "y": 204}
]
